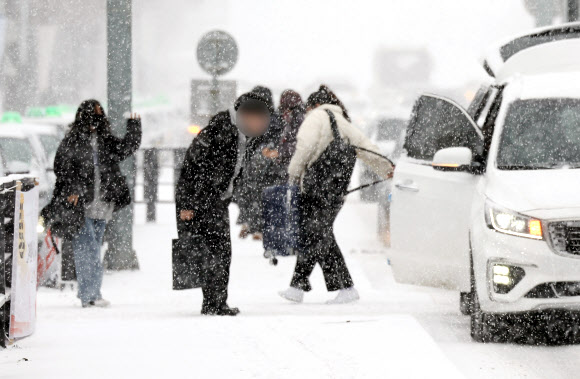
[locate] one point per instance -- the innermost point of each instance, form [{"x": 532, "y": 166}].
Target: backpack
[{"x": 327, "y": 179}]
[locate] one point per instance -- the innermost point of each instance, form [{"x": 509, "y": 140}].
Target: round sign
[{"x": 217, "y": 53}]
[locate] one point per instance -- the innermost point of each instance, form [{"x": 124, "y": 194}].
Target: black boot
[{"x": 224, "y": 310}]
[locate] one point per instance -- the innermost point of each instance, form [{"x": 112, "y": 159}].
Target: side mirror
[{"x": 453, "y": 159}]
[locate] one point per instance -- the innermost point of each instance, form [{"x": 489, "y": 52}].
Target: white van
[{"x": 488, "y": 203}]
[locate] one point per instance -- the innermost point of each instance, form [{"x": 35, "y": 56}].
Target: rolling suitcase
[{"x": 281, "y": 221}]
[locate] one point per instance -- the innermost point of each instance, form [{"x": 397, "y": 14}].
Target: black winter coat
[
  {"x": 209, "y": 166},
  {"x": 75, "y": 169}
]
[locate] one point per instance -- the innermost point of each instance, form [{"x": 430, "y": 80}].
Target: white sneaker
[
  {"x": 346, "y": 295},
  {"x": 101, "y": 303},
  {"x": 293, "y": 294}
]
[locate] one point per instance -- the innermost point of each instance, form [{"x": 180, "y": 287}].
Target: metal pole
[
  {"x": 120, "y": 254},
  {"x": 573, "y": 14},
  {"x": 215, "y": 95},
  {"x": 151, "y": 181}
]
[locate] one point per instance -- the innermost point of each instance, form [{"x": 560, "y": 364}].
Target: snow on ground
[{"x": 395, "y": 331}]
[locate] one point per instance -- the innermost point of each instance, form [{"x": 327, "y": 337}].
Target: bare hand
[
  {"x": 186, "y": 215},
  {"x": 245, "y": 231},
  {"x": 270, "y": 153},
  {"x": 135, "y": 116},
  {"x": 73, "y": 199}
]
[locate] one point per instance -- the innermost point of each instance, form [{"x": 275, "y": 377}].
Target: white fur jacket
[{"x": 315, "y": 135}]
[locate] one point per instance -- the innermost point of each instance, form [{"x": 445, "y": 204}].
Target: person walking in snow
[
  {"x": 210, "y": 174},
  {"x": 263, "y": 171},
  {"x": 326, "y": 114},
  {"x": 88, "y": 177},
  {"x": 293, "y": 111}
]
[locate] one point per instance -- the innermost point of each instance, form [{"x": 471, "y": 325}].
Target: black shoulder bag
[
  {"x": 65, "y": 220},
  {"x": 327, "y": 179},
  {"x": 190, "y": 259}
]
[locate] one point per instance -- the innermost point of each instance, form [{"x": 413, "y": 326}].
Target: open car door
[{"x": 430, "y": 208}]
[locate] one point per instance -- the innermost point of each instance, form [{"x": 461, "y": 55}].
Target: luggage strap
[
  {"x": 375, "y": 182},
  {"x": 375, "y": 153},
  {"x": 365, "y": 186},
  {"x": 336, "y": 135}
]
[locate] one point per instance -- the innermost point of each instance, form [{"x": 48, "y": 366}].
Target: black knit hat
[
  {"x": 266, "y": 93},
  {"x": 253, "y": 100}
]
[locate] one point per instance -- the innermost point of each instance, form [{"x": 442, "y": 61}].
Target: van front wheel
[
  {"x": 480, "y": 321},
  {"x": 466, "y": 303}
]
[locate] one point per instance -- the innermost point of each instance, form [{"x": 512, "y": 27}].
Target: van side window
[{"x": 437, "y": 123}]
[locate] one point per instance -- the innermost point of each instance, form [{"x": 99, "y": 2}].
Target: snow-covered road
[{"x": 395, "y": 331}]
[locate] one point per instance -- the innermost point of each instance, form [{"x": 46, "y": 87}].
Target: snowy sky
[
  {"x": 300, "y": 41},
  {"x": 296, "y": 43}
]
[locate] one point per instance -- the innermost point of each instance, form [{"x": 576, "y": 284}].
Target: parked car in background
[
  {"x": 19, "y": 155},
  {"x": 46, "y": 138},
  {"x": 42, "y": 139},
  {"x": 486, "y": 202}
]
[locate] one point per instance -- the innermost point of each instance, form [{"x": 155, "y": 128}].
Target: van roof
[
  {"x": 548, "y": 85},
  {"x": 550, "y": 49}
]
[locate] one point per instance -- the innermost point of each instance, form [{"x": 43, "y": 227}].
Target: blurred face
[
  {"x": 253, "y": 124},
  {"x": 98, "y": 111}
]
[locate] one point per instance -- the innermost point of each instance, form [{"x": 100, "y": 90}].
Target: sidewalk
[{"x": 151, "y": 331}]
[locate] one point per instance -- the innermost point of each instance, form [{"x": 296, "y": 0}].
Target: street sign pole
[
  {"x": 573, "y": 14},
  {"x": 215, "y": 95},
  {"x": 120, "y": 254},
  {"x": 217, "y": 54}
]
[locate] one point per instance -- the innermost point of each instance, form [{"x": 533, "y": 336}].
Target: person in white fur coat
[{"x": 317, "y": 219}]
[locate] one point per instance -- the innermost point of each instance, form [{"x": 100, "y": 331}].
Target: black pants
[
  {"x": 319, "y": 246},
  {"x": 214, "y": 228}
]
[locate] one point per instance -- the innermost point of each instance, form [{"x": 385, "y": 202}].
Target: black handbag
[
  {"x": 190, "y": 260},
  {"x": 64, "y": 219},
  {"x": 327, "y": 179}
]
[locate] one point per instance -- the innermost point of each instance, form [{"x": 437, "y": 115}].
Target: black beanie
[
  {"x": 250, "y": 98},
  {"x": 266, "y": 93}
]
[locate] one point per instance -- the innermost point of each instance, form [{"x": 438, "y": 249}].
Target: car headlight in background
[
  {"x": 40, "y": 225},
  {"x": 194, "y": 129},
  {"x": 510, "y": 222}
]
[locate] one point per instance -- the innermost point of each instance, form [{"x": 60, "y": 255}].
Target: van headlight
[{"x": 510, "y": 222}]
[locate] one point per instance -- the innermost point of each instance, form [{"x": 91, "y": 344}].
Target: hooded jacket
[
  {"x": 210, "y": 163},
  {"x": 75, "y": 170},
  {"x": 315, "y": 135}
]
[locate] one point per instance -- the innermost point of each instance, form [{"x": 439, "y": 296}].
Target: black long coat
[
  {"x": 75, "y": 170},
  {"x": 209, "y": 166}
]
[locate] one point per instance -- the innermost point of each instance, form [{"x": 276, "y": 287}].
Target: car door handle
[{"x": 406, "y": 187}]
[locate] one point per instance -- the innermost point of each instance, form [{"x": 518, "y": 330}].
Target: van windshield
[{"x": 541, "y": 134}]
